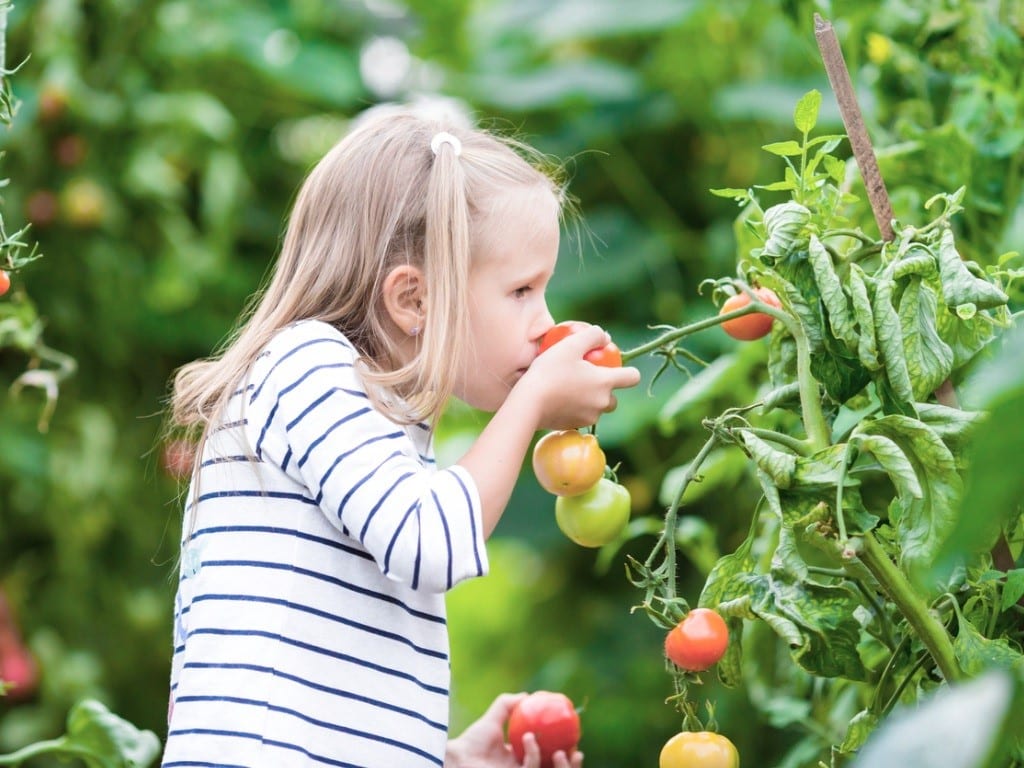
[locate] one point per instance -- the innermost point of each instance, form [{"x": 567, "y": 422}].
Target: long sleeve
[{"x": 308, "y": 413}]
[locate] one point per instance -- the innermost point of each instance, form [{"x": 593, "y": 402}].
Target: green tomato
[{"x": 596, "y": 516}]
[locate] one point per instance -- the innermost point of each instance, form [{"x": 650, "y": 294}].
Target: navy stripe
[
  {"x": 320, "y": 650},
  {"x": 334, "y": 426},
  {"x": 447, "y": 538},
  {"x": 352, "y": 550},
  {"x": 356, "y": 486},
  {"x": 229, "y": 460},
  {"x": 380, "y": 502},
  {"x": 323, "y": 615},
  {"x": 399, "y": 529},
  {"x": 257, "y": 494},
  {"x": 313, "y": 721},
  {"x": 289, "y": 353},
  {"x": 346, "y": 454},
  {"x": 229, "y": 425},
  {"x": 330, "y": 580},
  {"x": 472, "y": 521},
  {"x": 198, "y": 764},
  {"x": 322, "y": 688},
  {"x": 257, "y": 737}
]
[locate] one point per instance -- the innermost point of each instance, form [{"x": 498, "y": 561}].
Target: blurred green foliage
[{"x": 156, "y": 151}]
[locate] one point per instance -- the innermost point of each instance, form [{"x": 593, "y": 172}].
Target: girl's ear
[{"x": 404, "y": 297}]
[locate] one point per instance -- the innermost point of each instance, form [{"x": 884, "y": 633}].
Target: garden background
[{"x": 155, "y": 152}]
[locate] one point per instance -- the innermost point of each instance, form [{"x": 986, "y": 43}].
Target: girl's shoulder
[{"x": 303, "y": 335}]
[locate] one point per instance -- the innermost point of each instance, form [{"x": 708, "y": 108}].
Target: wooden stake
[{"x": 839, "y": 78}]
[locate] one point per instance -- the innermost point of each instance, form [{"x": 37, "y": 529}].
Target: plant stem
[
  {"x": 686, "y": 330},
  {"x": 933, "y": 635}
]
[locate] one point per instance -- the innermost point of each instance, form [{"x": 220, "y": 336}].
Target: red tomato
[
  {"x": 568, "y": 462},
  {"x": 5, "y": 282},
  {"x": 698, "y": 641},
  {"x": 609, "y": 355},
  {"x": 699, "y": 749},
  {"x": 756, "y": 325},
  {"x": 595, "y": 517},
  {"x": 550, "y": 717}
]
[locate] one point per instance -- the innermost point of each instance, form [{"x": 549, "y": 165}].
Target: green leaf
[
  {"x": 1013, "y": 589},
  {"x": 735, "y": 193},
  {"x": 894, "y": 461},
  {"x": 959, "y": 286},
  {"x": 867, "y": 349},
  {"x": 779, "y": 465},
  {"x": 805, "y": 115},
  {"x": 924, "y": 522},
  {"x": 889, "y": 334},
  {"x": 960, "y": 726},
  {"x": 836, "y": 305},
  {"x": 976, "y": 653},
  {"x": 929, "y": 359},
  {"x": 783, "y": 148},
  {"x": 860, "y": 728}
]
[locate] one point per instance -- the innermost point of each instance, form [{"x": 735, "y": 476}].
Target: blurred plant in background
[{"x": 155, "y": 154}]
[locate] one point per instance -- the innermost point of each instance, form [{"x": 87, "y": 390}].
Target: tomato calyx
[{"x": 609, "y": 356}]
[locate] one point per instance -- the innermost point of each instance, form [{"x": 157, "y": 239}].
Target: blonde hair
[{"x": 378, "y": 199}]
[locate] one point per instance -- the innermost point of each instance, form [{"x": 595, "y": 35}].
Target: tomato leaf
[
  {"x": 975, "y": 653},
  {"x": 924, "y": 522},
  {"x": 783, "y": 148},
  {"x": 805, "y": 114},
  {"x": 779, "y": 465},
  {"x": 836, "y": 305},
  {"x": 1013, "y": 590},
  {"x": 889, "y": 333},
  {"x": 959, "y": 286},
  {"x": 929, "y": 359},
  {"x": 962, "y": 726}
]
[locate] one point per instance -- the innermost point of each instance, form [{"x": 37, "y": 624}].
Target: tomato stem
[{"x": 933, "y": 635}]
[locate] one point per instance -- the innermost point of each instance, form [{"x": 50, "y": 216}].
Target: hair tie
[{"x": 443, "y": 137}]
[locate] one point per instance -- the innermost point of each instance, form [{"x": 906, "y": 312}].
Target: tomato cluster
[{"x": 551, "y": 718}]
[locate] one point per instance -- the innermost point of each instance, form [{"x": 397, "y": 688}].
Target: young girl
[{"x": 319, "y": 536}]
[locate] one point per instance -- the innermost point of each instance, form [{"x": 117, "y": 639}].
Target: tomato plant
[
  {"x": 699, "y": 749},
  {"x": 698, "y": 641},
  {"x": 609, "y": 355},
  {"x": 551, "y": 718},
  {"x": 568, "y": 462},
  {"x": 596, "y": 516},
  {"x": 857, "y": 443},
  {"x": 755, "y": 325}
]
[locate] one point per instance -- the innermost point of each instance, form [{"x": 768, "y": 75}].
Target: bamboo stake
[{"x": 839, "y": 78}]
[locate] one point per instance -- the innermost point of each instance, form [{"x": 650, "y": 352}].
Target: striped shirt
[{"x": 309, "y": 622}]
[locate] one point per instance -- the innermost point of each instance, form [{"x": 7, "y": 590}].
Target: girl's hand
[
  {"x": 566, "y": 390},
  {"x": 482, "y": 744}
]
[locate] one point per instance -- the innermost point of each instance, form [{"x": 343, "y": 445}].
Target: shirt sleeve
[{"x": 309, "y": 415}]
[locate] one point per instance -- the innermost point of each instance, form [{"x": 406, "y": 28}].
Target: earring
[{"x": 414, "y": 331}]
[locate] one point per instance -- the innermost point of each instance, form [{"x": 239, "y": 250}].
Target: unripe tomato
[
  {"x": 699, "y": 749},
  {"x": 594, "y": 517},
  {"x": 609, "y": 355},
  {"x": 756, "y": 325},
  {"x": 5, "y": 282},
  {"x": 698, "y": 641},
  {"x": 551, "y": 718},
  {"x": 568, "y": 462}
]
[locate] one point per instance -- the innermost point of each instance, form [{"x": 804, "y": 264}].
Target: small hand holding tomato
[
  {"x": 698, "y": 641},
  {"x": 483, "y": 742},
  {"x": 564, "y": 390},
  {"x": 755, "y": 325},
  {"x": 607, "y": 355},
  {"x": 554, "y": 722},
  {"x": 699, "y": 749}
]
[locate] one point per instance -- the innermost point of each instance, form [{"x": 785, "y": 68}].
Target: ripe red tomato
[
  {"x": 756, "y": 325},
  {"x": 568, "y": 462},
  {"x": 550, "y": 717},
  {"x": 698, "y": 641},
  {"x": 699, "y": 749},
  {"x": 609, "y": 355},
  {"x": 5, "y": 282},
  {"x": 594, "y": 517}
]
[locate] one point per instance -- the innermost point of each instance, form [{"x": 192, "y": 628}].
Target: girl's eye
[{"x": 521, "y": 292}]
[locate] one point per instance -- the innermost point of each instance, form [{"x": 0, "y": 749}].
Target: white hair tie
[{"x": 443, "y": 137}]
